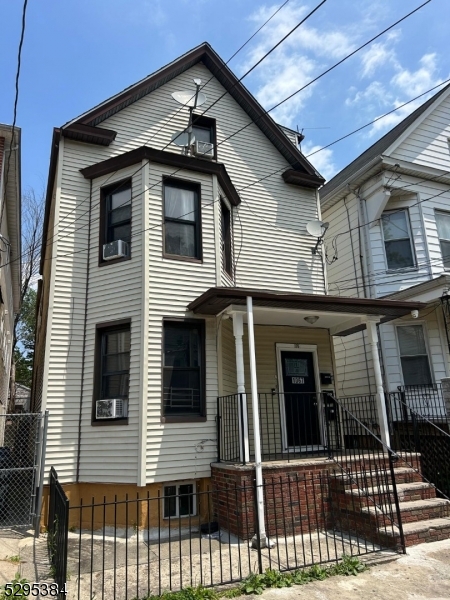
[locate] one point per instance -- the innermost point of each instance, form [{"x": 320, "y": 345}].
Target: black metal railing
[
  {"x": 427, "y": 400},
  {"x": 58, "y": 532},
  {"x": 292, "y": 425},
  {"x": 423, "y": 442},
  {"x": 140, "y": 547}
]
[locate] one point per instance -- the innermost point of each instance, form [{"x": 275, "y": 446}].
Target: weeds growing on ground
[{"x": 257, "y": 583}]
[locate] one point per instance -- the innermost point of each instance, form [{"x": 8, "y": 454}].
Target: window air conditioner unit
[
  {"x": 117, "y": 249},
  {"x": 114, "y": 408},
  {"x": 203, "y": 149}
]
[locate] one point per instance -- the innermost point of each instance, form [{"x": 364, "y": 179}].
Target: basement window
[{"x": 179, "y": 500}]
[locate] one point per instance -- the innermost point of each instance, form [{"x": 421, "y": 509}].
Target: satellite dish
[
  {"x": 188, "y": 98},
  {"x": 317, "y": 228},
  {"x": 197, "y": 81},
  {"x": 181, "y": 138}
]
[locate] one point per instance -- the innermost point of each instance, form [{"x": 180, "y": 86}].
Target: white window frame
[
  {"x": 447, "y": 213},
  {"x": 177, "y": 484},
  {"x": 411, "y": 242},
  {"x": 427, "y": 348}
]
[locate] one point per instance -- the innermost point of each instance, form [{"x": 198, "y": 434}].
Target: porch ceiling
[{"x": 339, "y": 314}]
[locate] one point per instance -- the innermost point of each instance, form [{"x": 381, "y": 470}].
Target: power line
[
  {"x": 177, "y": 112},
  {"x": 266, "y": 112},
  {"x": 16, "y": 100},
  {"x": 265, "y": 177}
]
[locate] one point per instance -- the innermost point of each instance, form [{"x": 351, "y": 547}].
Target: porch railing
[
  {"x": 426, "y": 400},
  {"x": 422, "y": 440},
  {"x": 293, "y": 425}
]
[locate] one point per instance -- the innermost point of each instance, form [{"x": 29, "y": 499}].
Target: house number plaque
[{"x": 298, "y": 380}]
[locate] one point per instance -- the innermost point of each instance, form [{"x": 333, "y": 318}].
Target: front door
[{"x": 300, "y": 399}]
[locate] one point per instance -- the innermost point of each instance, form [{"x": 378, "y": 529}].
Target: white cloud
[
  {"x": 417, "y": 82},
  {"x": 380, "y": 54},
  {"x": 295, "y": 62},
  {"x": 322, "y": 161}
]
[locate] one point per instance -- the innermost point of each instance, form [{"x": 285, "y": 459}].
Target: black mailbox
[
  {"x": 330, "y": 406},
  {"x": 326, "y": 378}
]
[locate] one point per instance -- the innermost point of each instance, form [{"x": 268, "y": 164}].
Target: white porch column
[
  {"x": 238, "y": 332},
  {"x": 257, "y": 440},
  {"x": 380, "y": 399}
]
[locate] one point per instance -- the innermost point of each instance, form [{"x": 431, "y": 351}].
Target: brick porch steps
[
  {"x": 365, "y": 500},
  {"x": 407, "y": 492},
  {"x": 430, "y": 530},
  {"x": 414, "y": 511}
]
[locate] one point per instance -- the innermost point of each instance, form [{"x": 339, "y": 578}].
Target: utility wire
[
  {"x": 266, "y": 112},
  {"x": 16, "y": 101},
  {"x": 265, "y": 177},
  {"x": 180, "y": 109}
]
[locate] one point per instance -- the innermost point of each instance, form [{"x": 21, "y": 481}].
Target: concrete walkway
[
  {"x": 21, "y": 553},
  {"x": 424, "y": 573}
]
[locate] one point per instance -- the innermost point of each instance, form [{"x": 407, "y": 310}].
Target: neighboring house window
[
  {"x": 116, "y": 219},
  {"x": 226, "y": 238},
  {"x": 413, "y": 355},
  {"x": 179, "y": 500},
  {"x": 443, "y": 227},
  {"x": 183, "y": 368},
  {"x": 113, "y": 362},
  {"x": 397, "y": 239},
  {"x": 182, "y": 219}
]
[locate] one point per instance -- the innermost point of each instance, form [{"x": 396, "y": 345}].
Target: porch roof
[{"x": 217, "y": 299}]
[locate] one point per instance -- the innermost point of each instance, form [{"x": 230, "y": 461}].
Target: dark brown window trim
[
  {"x": 201, "y": 418},
  {"x": 171, "y": 159},
  {"x": 109, "y": 422},
  {"x": 101, "y": 328},
  {"x": 185, "y": 184},
  {"x": 207, "y": 123},
  {"x": 104, "y": 192},
  {"x": 181, "y": 419}
]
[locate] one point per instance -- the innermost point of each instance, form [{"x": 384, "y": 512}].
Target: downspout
[
  {"x": 83, "y": 354},
  {"x": 321, "y": 253}
]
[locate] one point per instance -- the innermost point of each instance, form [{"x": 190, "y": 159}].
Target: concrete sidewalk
[
  {"x": 422, "y": 573},
  {"x": 21, "y": 553}
]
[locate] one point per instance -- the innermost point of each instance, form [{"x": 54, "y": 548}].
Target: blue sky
[{"x": 77, "y": 53}]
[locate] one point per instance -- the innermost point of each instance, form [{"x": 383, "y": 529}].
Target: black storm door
[{"x": 300, "y": 399}]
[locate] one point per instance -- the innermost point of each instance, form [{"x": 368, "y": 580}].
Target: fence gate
[{"x": 22, "y": 447}]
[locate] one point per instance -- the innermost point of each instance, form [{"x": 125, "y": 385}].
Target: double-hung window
[
  {"x": 413, "y": 355},
  {"x": 226, "y": 238},
  {"x": 113, "y": 362},
  {"x": 183, "y": 368},
  {"x": 443, "y": 227},
  {"x": 116, "y": 220},
  {"x": 182, "y": 219},
  {"x": 397, "y": 239}
]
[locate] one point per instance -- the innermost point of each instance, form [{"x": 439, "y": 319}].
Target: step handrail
[{"x": 392, "y": 457}]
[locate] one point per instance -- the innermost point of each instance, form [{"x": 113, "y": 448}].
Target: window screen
[
  {"x": 397, "y": 239},
  {"x": 413, "y": 355},
  {"x": 443, "y": 227}
]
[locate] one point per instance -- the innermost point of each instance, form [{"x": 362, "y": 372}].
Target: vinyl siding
[
  {"x": 428, "y": 144},
  {"x": 273, "y": 250},
  {"x": 266, "y": 339}
]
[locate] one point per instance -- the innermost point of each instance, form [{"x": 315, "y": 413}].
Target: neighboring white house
[
  {"x": 389, "y": 237},
  {"x": 153, "y": 257},
  {"x": 10, "y": 250}
]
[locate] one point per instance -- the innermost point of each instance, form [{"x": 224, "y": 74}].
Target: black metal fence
[
  {"x": 131, "y": 548},
  {"x": 292, "y": 425},
  {"x": 58, "y": 532},
  {"x": 426, "y": 400},
  {"x": 421, "y": 440}
]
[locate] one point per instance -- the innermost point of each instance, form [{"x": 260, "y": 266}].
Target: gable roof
[
  {"x": 206, "y": 55},
  {"x": 377, "y": 149}
]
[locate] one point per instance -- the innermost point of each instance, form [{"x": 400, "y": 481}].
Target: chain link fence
[{"x": 21, "y": 458}]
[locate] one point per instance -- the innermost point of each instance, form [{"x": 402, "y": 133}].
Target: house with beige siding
[
  {"x": 389, "y": 237},
  {"x": 182, "y": 309},
  {"x": 10, "y": 251}
]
